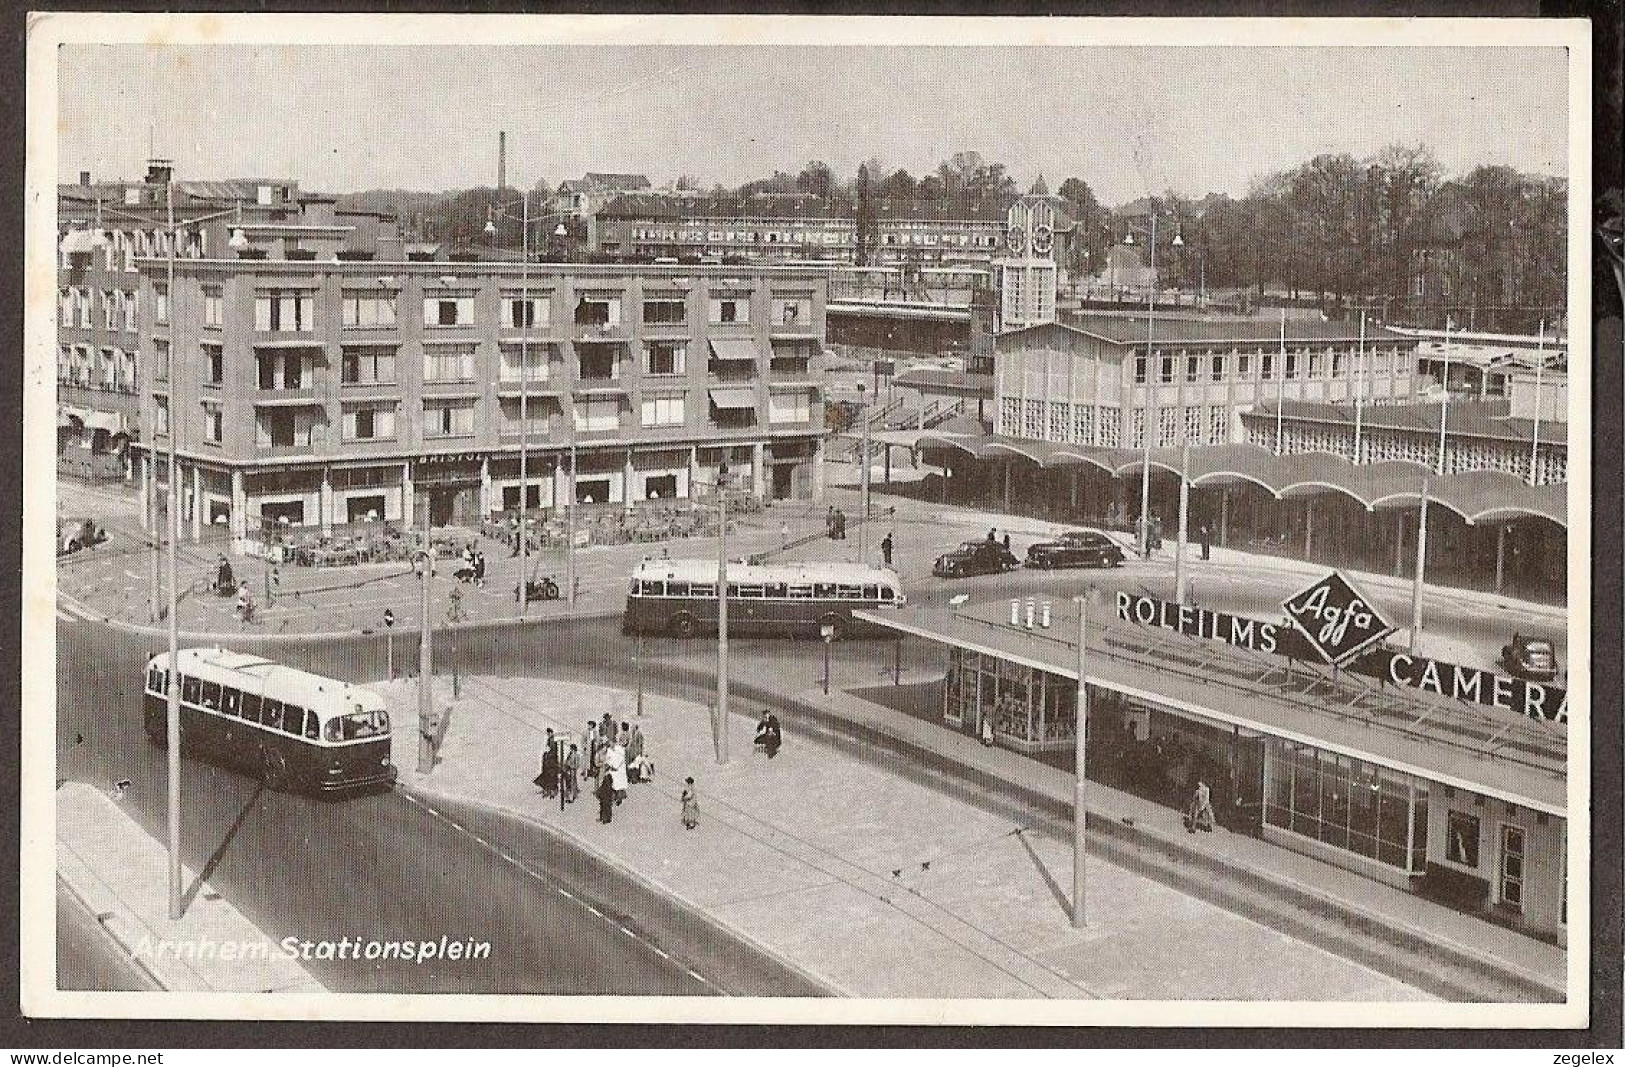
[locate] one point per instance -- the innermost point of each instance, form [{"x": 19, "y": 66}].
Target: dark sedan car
[
  {"x": 975, "y": 557},
  {"x": 1076, "y": 548},
  {"x": 1533, "y": 658}
]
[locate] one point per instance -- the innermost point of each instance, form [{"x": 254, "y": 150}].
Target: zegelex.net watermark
[{"x": 309, "y": 949}]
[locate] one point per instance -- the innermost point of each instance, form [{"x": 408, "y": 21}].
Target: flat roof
[{"x": 1496, "y": 753}]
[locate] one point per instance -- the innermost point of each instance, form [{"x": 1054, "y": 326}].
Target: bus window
[
  {"x": 271, "y": 714},
  {"x": 885, "y": 592},
  {"x": 652, "y": 589},
  {"x": 871, "y": 592},
  {"x": 733, "y": 591},
  {"x": 293, "y": 719},
  {"x": 230, "y": 701},
  {"x": 210, "y": 697},
  {"x": 155, "y": 681},
  {"x": 191, "y": 689},
  {"x": 776, "y": 590},
  {"x": 313, "y": 726},
  {"x": 801, "y": 592},
  {"x": 358, "y": 725},
  {"x": 677, "y": 589},
  {"x": 251, "y": 707},
  {"x": 825, "y": 591},
  {"x": 699, "y": 590},
  {"x": 751, "y": 592},
  {"x": 851, "y": 592}
]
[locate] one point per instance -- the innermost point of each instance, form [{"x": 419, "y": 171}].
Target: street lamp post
[
  {"x": 722, "y": 613},
  {"x": 1151, "y": 375},
  {"x": 172, "y": 732},
  {"x": 863, "y": 518},
  {"x": 425, "y": 657},
  {"x": 1080, "y": 785},
  {"x": 523, "y": 321},
  {"x": 1444, "y": 401},
  {"x": 570, "y": 535}
]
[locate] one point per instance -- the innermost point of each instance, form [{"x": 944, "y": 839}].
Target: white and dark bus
[
  {"x": 293, "y": 729},
  {"x": 678, "y": 598}
]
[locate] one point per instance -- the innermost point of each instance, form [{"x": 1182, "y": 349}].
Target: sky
[{"x": 1128, "y": 120}]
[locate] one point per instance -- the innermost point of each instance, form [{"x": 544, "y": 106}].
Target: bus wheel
[
  {"x": 683, "y": 625},
  {"x": 273, "y": 768}
]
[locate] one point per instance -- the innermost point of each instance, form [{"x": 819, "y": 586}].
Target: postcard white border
[{"x": 46, "y": 32}]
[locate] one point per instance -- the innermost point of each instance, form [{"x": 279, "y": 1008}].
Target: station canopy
[{"x": 1488, "y": 496}]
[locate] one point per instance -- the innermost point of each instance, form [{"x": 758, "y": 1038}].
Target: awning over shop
[
  {"x": 111, "y": 421},
  {"x": 735, "y": 399},
  {"x": 78, "y": 242},
  {"x": 734, "y": 348}
]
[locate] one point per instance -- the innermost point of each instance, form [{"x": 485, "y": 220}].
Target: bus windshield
[{"x": 357, "y": 725}]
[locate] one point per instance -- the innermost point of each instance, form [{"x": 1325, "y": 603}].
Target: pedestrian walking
[
  {"x": 1199, "y": 815},
  {"x": 637, "y": 764},
  {"x": 691, "y": 804},
  {"x": 590, "y": 745},
  {"x": 886, "y": 549},
  {"x": 1206, "y": 537},
  {"x": 479, "y": 569},
  {"x": 784, "y": 535},
  {"x": 829, "y": 523},
  {"x": 1156, "y": 532},
  {"x": 572, "y": 771},
  {"x": 992, "y": 534},
  {"x": 605, "y": 792},
  {"x": 840, "y": 525},
  {"x": 1007, "y": 540},
  {"x": 624, "y": 738},
  {"x": 548, "y": 780}
]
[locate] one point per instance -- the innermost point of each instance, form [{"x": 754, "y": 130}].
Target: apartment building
[
  {"x": 793, "y": 226},
  {"x": 320, "y": 392}
]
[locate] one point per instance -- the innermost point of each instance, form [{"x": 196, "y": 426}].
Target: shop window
[
  {"x": 1461, "y": 838},
  {"x": 1511, "y": 878}
]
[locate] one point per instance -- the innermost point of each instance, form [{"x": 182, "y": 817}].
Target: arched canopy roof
[{"x": 1486, "y": 496}]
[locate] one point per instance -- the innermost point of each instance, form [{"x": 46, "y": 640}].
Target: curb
[
  {"x": 1219, "y": 871},
  {"x": 646, "y": 883},
  {"x": 113, "y": 925}
]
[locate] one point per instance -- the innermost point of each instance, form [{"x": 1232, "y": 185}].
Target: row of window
[
  {"x": 272, "y": 714},
  {"x": 121, "y": 249},
  {"x": 292, "y": 311},
  {"x": 106, "y": 368},
  {"x": 76, "y": 306},
  {"x": 765, "y": 591},
  {"x": 1292, "y": 365},
  {"x": 457, "y": 362},
  {"x": 819, "y": 236},
  {"x": 1378, "y": 444},
  {"x": 1065, "y": 422},
  {"x": 375, "y": 420}
]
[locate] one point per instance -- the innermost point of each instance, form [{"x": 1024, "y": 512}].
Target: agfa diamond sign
[{"x": 1336, "y": 619}]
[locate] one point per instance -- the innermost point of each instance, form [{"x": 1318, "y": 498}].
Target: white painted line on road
[
  {"x": 662, "y": 953},
  {"x": 696, "y": 975},
  {"x": 627, "y": 932},
  {"x": 567, "y": 894}
]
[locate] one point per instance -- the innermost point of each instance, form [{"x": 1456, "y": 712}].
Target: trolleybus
[
  {"x": 293, "y": 729},
  {"x": 678, "y": 597}
]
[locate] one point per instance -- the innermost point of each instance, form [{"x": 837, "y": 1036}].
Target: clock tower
[{"x": 1027, "y": 272}]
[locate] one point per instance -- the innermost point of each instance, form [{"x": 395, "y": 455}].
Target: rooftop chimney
[
  {"x": 159, "y": 171},
  {"x": 502, "y": 160}
]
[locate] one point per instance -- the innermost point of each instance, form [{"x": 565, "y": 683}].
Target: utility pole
[
  {"x": 570, "y": 534},
  {"x": 1444, "y": 403},
  {"x": 1359, "y": 389},
  {"x": 172, "y": 732},
  {"x": 863, "y": 520},
  {"x": 722, "y": 614},
  {"x": 1080, "y": 787},
  {"x": 1421, "y": 567},
  {"x": 1184, "y": 525},
  {"x": 425, "y": 660}
]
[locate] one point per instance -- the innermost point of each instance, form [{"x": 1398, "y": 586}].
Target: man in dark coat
[
  {"x": 1207, "y": 540},
  {"x": 606, "y": 798},
  {"x": 886, "y": 550}
]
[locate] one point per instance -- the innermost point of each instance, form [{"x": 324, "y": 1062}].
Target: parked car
[
  {"x": 1533, "y": 658},
  {"x": 1076, "y": 548},
  {"x": 74, "y": 534},
  {"x": 975, "y": 557}
]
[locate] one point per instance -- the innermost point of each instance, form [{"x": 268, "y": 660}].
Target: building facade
[
  {"x": 314, "y": 393},
  {"x": 796, "y": 227},
  {"x": 104, "y": 229},
  {"x": 1029, "y": 272},
  {"x": 1090, "y": 381}
]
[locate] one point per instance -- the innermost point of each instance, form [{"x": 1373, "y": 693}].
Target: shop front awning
[
  {"x": 79, "y": 242},
  {"x": 734, "y": 399},
  {"x": 111, "y": 421},
  {"x": 735, "y": 349}
]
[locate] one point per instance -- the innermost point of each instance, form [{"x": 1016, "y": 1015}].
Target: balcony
[{"x": 289, "y": 398}]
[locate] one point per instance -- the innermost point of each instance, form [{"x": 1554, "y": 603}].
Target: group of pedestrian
[
  {"x": 994, "y": 539},
  {"x": 615, "y": 758},
  {"x": 835, "y": 523}
]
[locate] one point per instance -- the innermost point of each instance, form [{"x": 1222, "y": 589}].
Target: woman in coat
[
  {"x": 691, "y": 804},
  {"x": 615, "y": 770},
  {"x": 606, "y": 798}
]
